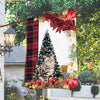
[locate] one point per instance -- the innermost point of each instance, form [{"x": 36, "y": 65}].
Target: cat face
[{"x": 49, "y": 61}]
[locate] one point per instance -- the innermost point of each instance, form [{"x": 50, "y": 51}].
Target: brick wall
[{"x": 2, "y": 14}]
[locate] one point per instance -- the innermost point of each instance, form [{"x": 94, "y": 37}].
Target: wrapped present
[{"x": 63, "y": 68}]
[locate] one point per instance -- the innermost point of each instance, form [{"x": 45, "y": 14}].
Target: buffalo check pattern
[{"x": 32, "y": 47}]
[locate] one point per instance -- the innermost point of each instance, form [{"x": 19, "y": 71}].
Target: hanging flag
[{"x": 32, "y": 47}]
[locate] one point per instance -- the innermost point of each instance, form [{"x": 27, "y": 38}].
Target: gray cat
[{"x": 45, "y": 70}]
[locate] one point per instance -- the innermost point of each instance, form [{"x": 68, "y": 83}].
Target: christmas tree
[{"x": 48, "y": 50}]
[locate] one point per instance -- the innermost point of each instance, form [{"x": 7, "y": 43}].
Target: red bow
[{"x": 60, "y": 24}]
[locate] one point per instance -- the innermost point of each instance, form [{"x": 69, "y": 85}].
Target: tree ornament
[
  {"x": 46, "y": 83},
  {"x": 39, "y": 82},
  {"x": 63, "y": 83},
  {"x": 71, "y": 14},
  {"x": 74, "y": 35},
  {"x": 73, "y": 44},
  {"x": 69, "y": 34},
  {"x": 56, "y": 82},
  {"x": 41, "y": 87},
  {"x": 73, "y": 83}
]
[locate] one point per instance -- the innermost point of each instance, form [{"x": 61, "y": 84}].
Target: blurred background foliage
[{"x": 88, "y": 23}]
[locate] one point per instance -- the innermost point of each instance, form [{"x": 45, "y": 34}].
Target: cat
[{"x": 45, "y": 70}]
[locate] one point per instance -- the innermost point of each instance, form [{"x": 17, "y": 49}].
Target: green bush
[
  {"x": 95, "y": 90},
  {"x": 87, "y": 76}
]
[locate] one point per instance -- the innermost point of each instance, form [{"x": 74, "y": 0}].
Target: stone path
[{"x": 74, "y": 98}]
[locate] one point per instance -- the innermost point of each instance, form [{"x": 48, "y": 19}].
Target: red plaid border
[{"x": 32, "y": 47}]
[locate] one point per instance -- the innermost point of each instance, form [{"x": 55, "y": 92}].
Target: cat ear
[{"x": 44, "y": 57}]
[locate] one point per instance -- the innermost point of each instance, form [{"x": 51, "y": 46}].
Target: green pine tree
[{"x": 47, "y": 49}]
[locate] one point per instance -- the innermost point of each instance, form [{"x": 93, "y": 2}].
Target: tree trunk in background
[{"x": 98, "y": 80}]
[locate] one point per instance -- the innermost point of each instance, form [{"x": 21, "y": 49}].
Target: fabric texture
[{"x": 32, "y": 47}]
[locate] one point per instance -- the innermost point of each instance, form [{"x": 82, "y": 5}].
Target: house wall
[
  {"x": 2, "y": 15},
  {"x": 15, "y": 72}
]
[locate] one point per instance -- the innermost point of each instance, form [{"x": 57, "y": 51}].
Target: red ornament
[
  {"x": 69, "y": 34},
  {"x": 46, "y": 83},
  {"x": 67, "y": 80},
  {"x": 30, "y": 83},
  {"x": 52, "y": 80},
  {"x": 73, "y": 83},
  {"x": 39, "y": 81},
  {"x": 63, "y": 16},
  {"x": 73, "y": 44},
  {"x": 60, "y": 24},
  {"x": 71, "y": 14},
  {"x": 56, "y": 82},
  {"x": 42, "y": 17},
  {"x": 63, "y": 83},
  {"x": 41, "y": 87},
  {"x": 33, "y": 82}
]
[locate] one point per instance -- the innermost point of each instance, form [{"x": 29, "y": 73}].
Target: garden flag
[{"x": 51, "y": 60}]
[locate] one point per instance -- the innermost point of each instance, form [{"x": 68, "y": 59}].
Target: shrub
[
  {"x": 87, "y": 76},
  {"x": 95, "y": 90}
]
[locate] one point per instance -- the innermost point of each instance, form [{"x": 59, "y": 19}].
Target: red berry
[
  {"x": 73, "y": 44},
  {"x": 33, "y": 82},
  {"x": 56, "y": 82},
  {"x": 39, "y": 81},
  {"x": 46, "y": 83},
  {"x": 69, "y": 34},
  {"x": 30, "y": 83},
  {"x": 42, "y": 17},
  {"x": 41, "y": 87},
  {"x": 52, "y": 80}
]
